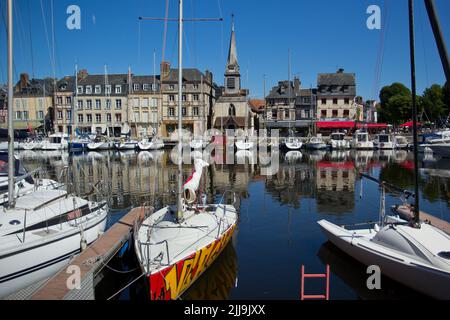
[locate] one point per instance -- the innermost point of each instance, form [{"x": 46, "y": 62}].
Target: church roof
[{"x": 232, "y": 53}]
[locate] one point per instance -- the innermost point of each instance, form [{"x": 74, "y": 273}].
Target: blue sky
[{"x": 322, "y": 35}]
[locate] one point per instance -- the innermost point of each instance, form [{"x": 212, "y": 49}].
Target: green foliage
[
  {"x": 433, "y": 103},
  {"x": 395, "y": 103}
]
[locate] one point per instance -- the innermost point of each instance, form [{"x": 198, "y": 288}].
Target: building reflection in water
[{"x": 218, "y": 281}]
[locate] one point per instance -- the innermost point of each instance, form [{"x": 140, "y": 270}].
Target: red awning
[
  {"x": 336, "y": 165},
  {"x": 335, "y": 124},
  {"x": 373, "y": 125},
  {"x": 409, "y": 124}
]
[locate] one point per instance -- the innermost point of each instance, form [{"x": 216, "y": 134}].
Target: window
[
  {"x": 183, "y": 111},
  {"x": 89, "y": 118},
  {"x": 172, "y": 98},
  {"x": 68, "y": 100},
  {"x": 59, "y": 100},
  {"x": 171, "y": 112},
  {"x": 41, "y": 103},
  {"x": 232, "y": 110},
  {"x": 80, "y": 118},
  {"x": 60, "y": 115},
  {"x": 136, "y": 102},
  {"x": 118, "y": 89},
  {"x": 183, "y": 97},
  {"x": 118, "y": 104},
  {"x": 323, "y": 114},
  {"x": 155, "y": 102},
  {"x": 286, "y": 113},
  {"x": 69, "y": 115},
  {"x": 145, "y": 117},
  {"x": 345, "y": 88},
  {"x": 154, "y": 87},
  {"x": 346, "y": 113},
  {"x": 136, "y": 117},
  {"x": 136, "y": 87},
  {"x": 18, "y": 115},
  {"x": 25, "y": 115},
  {"x": 98, "y": 118},
  {"x": 145, "y": 102},
  {"x": 98, "y": 104},
  {"x": 118, "y": 117},
  {"x": 108, "y": 104},
  {"x": 195, "y": 112},
  {"x": 89, "y": 104},
  {"x": 195, "y": 86},
  {"x": 108, "y": 117},
  {"x": 88, "y": 89},
  {"x": 324, "y": 101},
  {"x": 24, "y": 103},
  {"x": 108, "y": 89},
  {"x": 80, "y": 104},
  {"x": 335, "y": 113},
  {"x": 171, "y": 87},
  {"x": 231, "y": 83},
  {"x": 80, "y": 90},
  {"x": 145, "y": 86},
  {"x": 274, "y": 114},
  {"x": 347, "y": 101},
  {"x": 40, "y": 115},
  {"x": 335, "y": 101},
  {"x": 98, "y": 89},
  {"x": 195, "y": 97}
]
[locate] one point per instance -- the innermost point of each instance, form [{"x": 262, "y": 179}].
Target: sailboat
[
  {"x": 414, "y": 253},
  {"x": 176, "y": 244},
  {"x": 292, "y": 142},
  {"x": 40, "y": 230}
]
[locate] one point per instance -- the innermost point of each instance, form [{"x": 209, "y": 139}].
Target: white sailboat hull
[
  {"x": 99, "y": 146},
  {"x": 242, "y": 145},
  {"x": 424, "y": 278},
  {"x": 441, "y": 149},
  {"x": 44, "y": 253}
]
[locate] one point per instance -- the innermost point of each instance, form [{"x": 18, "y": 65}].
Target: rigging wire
[
  {"x": 165, "y": 31},
  {"x": 31, "y": 39},
  {"x": 47, "y": 37}
]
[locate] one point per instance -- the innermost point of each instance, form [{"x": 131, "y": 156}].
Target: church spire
[{"x": 232, "y": 54}]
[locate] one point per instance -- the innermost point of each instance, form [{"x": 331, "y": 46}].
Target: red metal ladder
[{"x": 304, "y": 276}]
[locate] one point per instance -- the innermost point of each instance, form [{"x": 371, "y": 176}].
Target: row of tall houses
[
  {"x": 292, "y": 108},
  {"x": 117, "y": 104}
]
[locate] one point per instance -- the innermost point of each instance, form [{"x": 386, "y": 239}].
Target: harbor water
[{"x": 277, "y": 231}]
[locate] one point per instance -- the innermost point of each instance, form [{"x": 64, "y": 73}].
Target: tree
[
  {"x": 395, "y": 103},
  {"x": 433, "y": 103},
  {"x": 446, "y": 94}
]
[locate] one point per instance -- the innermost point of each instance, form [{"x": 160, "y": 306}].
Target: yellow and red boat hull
[{"x": 171, "y": 282}]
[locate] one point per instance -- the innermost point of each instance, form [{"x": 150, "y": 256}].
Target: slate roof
[
  {"x": 34, "y": 88},
  {"x": 189, "y": 75},
  {"x": 336, "y": 79},
  {"x": 281, "y": 91}
]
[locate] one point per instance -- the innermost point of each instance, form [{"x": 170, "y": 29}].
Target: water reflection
[{"x": 278, "y": 212}]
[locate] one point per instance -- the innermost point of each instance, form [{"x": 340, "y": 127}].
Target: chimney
[
  {"x": 165, "y": 69},
  {"x": 24, "y": 80},
  {"x": 82, "y": 74},
  {"x": 209, "y": 76},
  {"x": 296, "y": 85}
]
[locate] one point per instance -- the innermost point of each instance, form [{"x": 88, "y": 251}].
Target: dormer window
[
  {"x": 118, "y": 89},
  {"x": 145, "y": 86},
  {"x": 80, "y": 90},
  {"x": 63, "y": 87},
  {"x": 108, "y": 89},
  {"x": 88, "y": 89},
  {"x": 98, "y": 89},
  {"x": 136, "y": 87}
]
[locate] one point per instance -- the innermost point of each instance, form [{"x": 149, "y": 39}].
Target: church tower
[{"x": 232, "y": 74}]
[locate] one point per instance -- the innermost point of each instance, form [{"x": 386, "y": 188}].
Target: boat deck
[
  {"x": 434, "y": 221},
  {"x": 90, "y": 262}
]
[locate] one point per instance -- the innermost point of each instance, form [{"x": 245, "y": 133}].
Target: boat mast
[
  {"x": 414, "y": 113},
  {"x": 11, "y": 185},
  {"x": 180, "y": 109},
  {"x": 75, "y": 102}
]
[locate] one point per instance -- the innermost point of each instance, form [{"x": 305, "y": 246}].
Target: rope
[{"x": 115, "y": 294}]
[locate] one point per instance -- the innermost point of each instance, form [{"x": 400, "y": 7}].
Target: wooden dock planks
[{"x": 90, "y": 260}]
